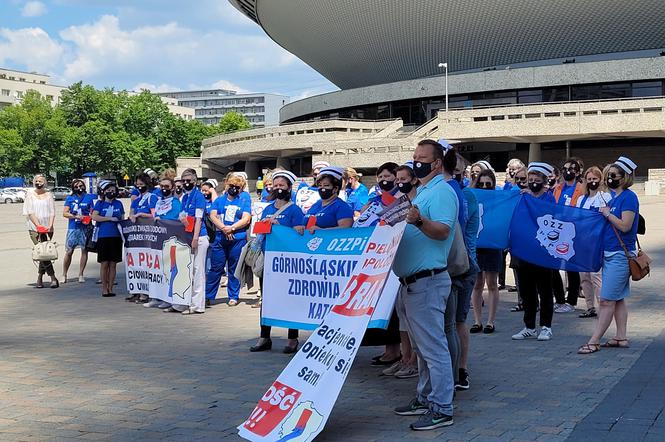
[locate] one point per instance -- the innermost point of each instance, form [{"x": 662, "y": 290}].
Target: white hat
[
  {"x": 289, "y": 176},
  {"x": 320, "y": 165},
  {"x": 151, "y": 173},
  {"x": 485, "y": 165},
  {"x": 241, "y": 175},
  {"x": 213, "y": 183},
  {"x": 335, "y": 172},
  {"x": 409, "y": 163},
  {"x": 626, "y": 164},
  {"x": 104, "y": 184},
  {"x": 543, "y": 168},
  {"x": 446, "y": 145}
]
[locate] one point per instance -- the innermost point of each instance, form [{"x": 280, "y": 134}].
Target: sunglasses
[
  {"x": 485, "y": 185},
  {"x": 165, "y": 187},
  {"x": 614, "y": 176},
  {"x": 187, "y": 181},
  {"x": 520, "y": 179},
  {"x": 79, "y": 187},
  {"x": 571, "y": 169}
]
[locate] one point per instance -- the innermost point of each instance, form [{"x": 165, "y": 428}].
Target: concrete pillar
[
  {"x": 252, "y": 170},
  {"x": 284, "y": 163},
  {"x": 534, "y": 152},
  {"x": 568, "y": 145}
]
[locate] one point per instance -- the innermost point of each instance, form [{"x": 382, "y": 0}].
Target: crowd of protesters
[{"x": 428, "y": 336}]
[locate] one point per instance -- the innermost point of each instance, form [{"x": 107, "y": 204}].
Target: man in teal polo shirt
[{"x": 421, "y": 263}]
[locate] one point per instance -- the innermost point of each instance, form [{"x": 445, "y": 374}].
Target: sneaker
[
  {"x": 564, "y": 308},
  {"x": 545, "y": 334},
  {"x": 463, "y": 383},
  {"x": 525, "y": 334},
  {"x": 558, "y": 306},
  {"x": 162, "y": 305},
  {"x": 152, "y": 303},
  {"x": 431, "y": 421},
  {"x": 132, "y": 298},
  {"x": 390, "y": 371},
  {"x": 407, "y": 372},
  {"x": 414, "y": 408}
]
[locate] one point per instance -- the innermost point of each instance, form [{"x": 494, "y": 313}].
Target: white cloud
[
  {"x": 155, "y": 88},
  {"x": 31, "y": 48},
  {"x": 33, "y": 9}
]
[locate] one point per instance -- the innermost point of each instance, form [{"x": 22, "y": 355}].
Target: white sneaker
[
  {"x": 545, "y": 334},
  {"x": 525, "y": 333},
  {"x": 152, "y": 303},
  {"x": 390, "y": 371},
  {"x": 407, "y": 372}
]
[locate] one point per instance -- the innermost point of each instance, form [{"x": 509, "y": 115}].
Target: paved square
[{"x": 74, "y": 365}]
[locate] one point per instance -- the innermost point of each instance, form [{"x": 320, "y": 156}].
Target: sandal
[
  {"x": 489, "y": 329},
  {"x": 591, "y": 313},
  {"x": 616, "y": 343},
  {"x": 587, "y": 349},
  {"x": 476, "y": 328}
]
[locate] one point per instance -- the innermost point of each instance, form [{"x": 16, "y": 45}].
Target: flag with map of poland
[{"x": 298, "y": 404}]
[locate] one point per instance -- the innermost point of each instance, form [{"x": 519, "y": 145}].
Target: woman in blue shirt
[
  {"x": 282, "y": 211},
  {"x": 232, "y": 214},
  {"x": 167, "y": 207},
  {"x": 78, "y": 207},
  {"x": 107, "y": 214},
  {"x": 385, "y": 179},
  {"x": 622, "y": 214},
  {"x": 357, "y": 194},
  {"x": 535, "y": 282},
  {"x": 143, "y": 206},
  {"x": 209, "y": 191},
  {"x": 330, "y": 211}
]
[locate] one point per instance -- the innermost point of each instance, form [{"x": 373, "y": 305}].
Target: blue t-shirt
[
  {"x": 231, "y": 211},
  {"x": 79, "y": 205},
  {"x": 357, "y": 198},
  {"x": 566, "y": 194},
  {"x": 508, "y": 185},
  {"x": 626, "y": 202},
  {"x": 168, "y": 208},
  {"x": 194, "y": 204},
  {"x": 463, "y": 213},
  {"x": 157, "y": 192},
  {"x": 144, "y": 203},
  {"x": 290, "y": 217},
  {"x": 546, "y": 196},
  {"x": 109, "y": 229},
  {"x": 264, "y": 195},
  {"x": 328, "y": 216}
]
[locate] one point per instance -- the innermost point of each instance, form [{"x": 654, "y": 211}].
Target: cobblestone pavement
[{"x": 74, "y": 365}]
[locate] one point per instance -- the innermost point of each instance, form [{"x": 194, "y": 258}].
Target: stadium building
[{"x": 504, "y": 78}]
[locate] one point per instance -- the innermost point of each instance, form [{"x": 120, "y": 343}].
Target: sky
[{"x": 160, "y": 45}]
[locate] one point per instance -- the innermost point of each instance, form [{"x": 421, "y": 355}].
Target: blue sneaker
[
  {"x": 431, "y": 421},
  {"x": 414, "y": 408}
]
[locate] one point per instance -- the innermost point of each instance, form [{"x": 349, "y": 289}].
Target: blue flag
[
  {"x": 557, "y": 237},
  {"x": 495, "y": 209}
]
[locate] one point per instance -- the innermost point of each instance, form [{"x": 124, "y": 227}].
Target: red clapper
[
  {"x": 311, "y": 222},
  {"x": 262, "y": 227}
]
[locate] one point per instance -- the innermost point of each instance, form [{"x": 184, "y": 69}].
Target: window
[
  {"x": 5, "y": 92},
  {"x": 49, "y": 97},
  {"x": 19, "y": 94}
]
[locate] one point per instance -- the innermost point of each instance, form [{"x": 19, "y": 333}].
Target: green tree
[{"x": 230, "y": 122}]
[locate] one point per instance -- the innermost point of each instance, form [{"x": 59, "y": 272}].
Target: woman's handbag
[
  {"x": 45, "y": 251},
  {"x": 91, "y": 233},
  {"x": 639, "y": 265}
]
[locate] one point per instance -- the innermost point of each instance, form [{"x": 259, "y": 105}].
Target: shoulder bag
[
  {"x": 639, "y": 265},
  {"x": 45, "y": 251}
]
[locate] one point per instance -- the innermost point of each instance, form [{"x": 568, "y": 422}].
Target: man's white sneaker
[
  {"x": 545, "y": 334},
  {"x": 390, "y": 371},
  {"x": 525, "y": 334},
  {"x": 152, "y": 303}
]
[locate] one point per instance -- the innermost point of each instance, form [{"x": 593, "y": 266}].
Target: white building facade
[{"x": 15, "y": 84}]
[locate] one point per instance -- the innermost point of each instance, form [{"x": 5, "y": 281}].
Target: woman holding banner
[
  {"x": 593, "y": 198},
  {"x": 534, "y": 281},
  {"x": 282, "y": 211},
  {"x": 143, "y": 206},
  {"x": 232, "y": 214},
  {"x": 385, "y": 178},
  {"x": 107, "y": 214},
  {"x": 622, "y": 214},
  {"x": 489, "y": 262},
  {"x": 330, "y": 212}
]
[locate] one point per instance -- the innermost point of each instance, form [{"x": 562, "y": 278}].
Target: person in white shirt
[
  {"x": 39, "y": 209},
  {"x": 593, "y": 198}
]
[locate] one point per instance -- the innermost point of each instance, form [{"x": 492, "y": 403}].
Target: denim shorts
[
  {"x": 462, "y": 287},
  {"x": 75, "y": 238}
]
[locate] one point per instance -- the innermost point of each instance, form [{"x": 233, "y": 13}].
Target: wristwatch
[{"x": 419, "y": 222}]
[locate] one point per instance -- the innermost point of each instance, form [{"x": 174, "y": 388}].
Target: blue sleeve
[
  {"x": 98, "y": 206},
  {"x": 68, "y": 202},
  {"x": 134, "y": 192},
  {"x": 472, "y": 224},
  {"x": 200, "y": 202},
  {"x": 507, "y": 186},
  {"x": 122, "y": 208},
  {"x": 445, "y": 209},
  {"x": 296, "y": 216},
  {"x": 152, "y": 201},
  {"x": 245, "y": 203},
  {"x": 363, "y": 197},
  {"x": 631, "y": 204},
  {"x": 345, "y": 211}
]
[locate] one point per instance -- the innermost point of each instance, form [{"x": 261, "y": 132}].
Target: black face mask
[
  {"x": 178, "y": 190},
  {"x": 39, "y": 186},
  {"x": 233, "y": 190},
  {"x": 207, "y": 196},
  {"x": 522, "y": 185},
  {"x": 78, "y": 191},
  {"x": 511, "y": 174},
  {"x": 325, "y": 193},
  {"x": 551, "y": 182},
  {"x": 613, "y": 183},
  {"x": 142, "y": 189},
  {"x": 109, "y": 195},
  {"x": 166, "y": 192},
  {"x": 188, "y": 186},
  {"x": 421, "y": 170},
  {"x": 405, "y": 187},
  {"x": 593, "y": 185},
  {"x": 569, "y": 175},
  {"x": 386, "y": 185},
  {"x": 536, "y": 187},
  {"x": 281, "y": 194}
]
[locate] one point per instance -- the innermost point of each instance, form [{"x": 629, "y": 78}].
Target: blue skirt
[{"x": 616, "y": 277}]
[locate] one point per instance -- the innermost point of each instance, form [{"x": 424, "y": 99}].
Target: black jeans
[
  {"x": 266, "y": 329},
  {"x": 573, "y": 288},
  {"x": 535, "y": 282}
]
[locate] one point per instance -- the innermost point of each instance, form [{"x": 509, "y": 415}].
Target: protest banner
[
  {"x": 495, "y": 210},
  {"x": 304, "y": 276},
  {"x": 158, "y": 259},
  {"x": 557, "y": 237},
  {"x": 297, "y": 405}
]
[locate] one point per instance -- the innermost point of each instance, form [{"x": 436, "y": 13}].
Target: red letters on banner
[{"x": 272, "y": 409}]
